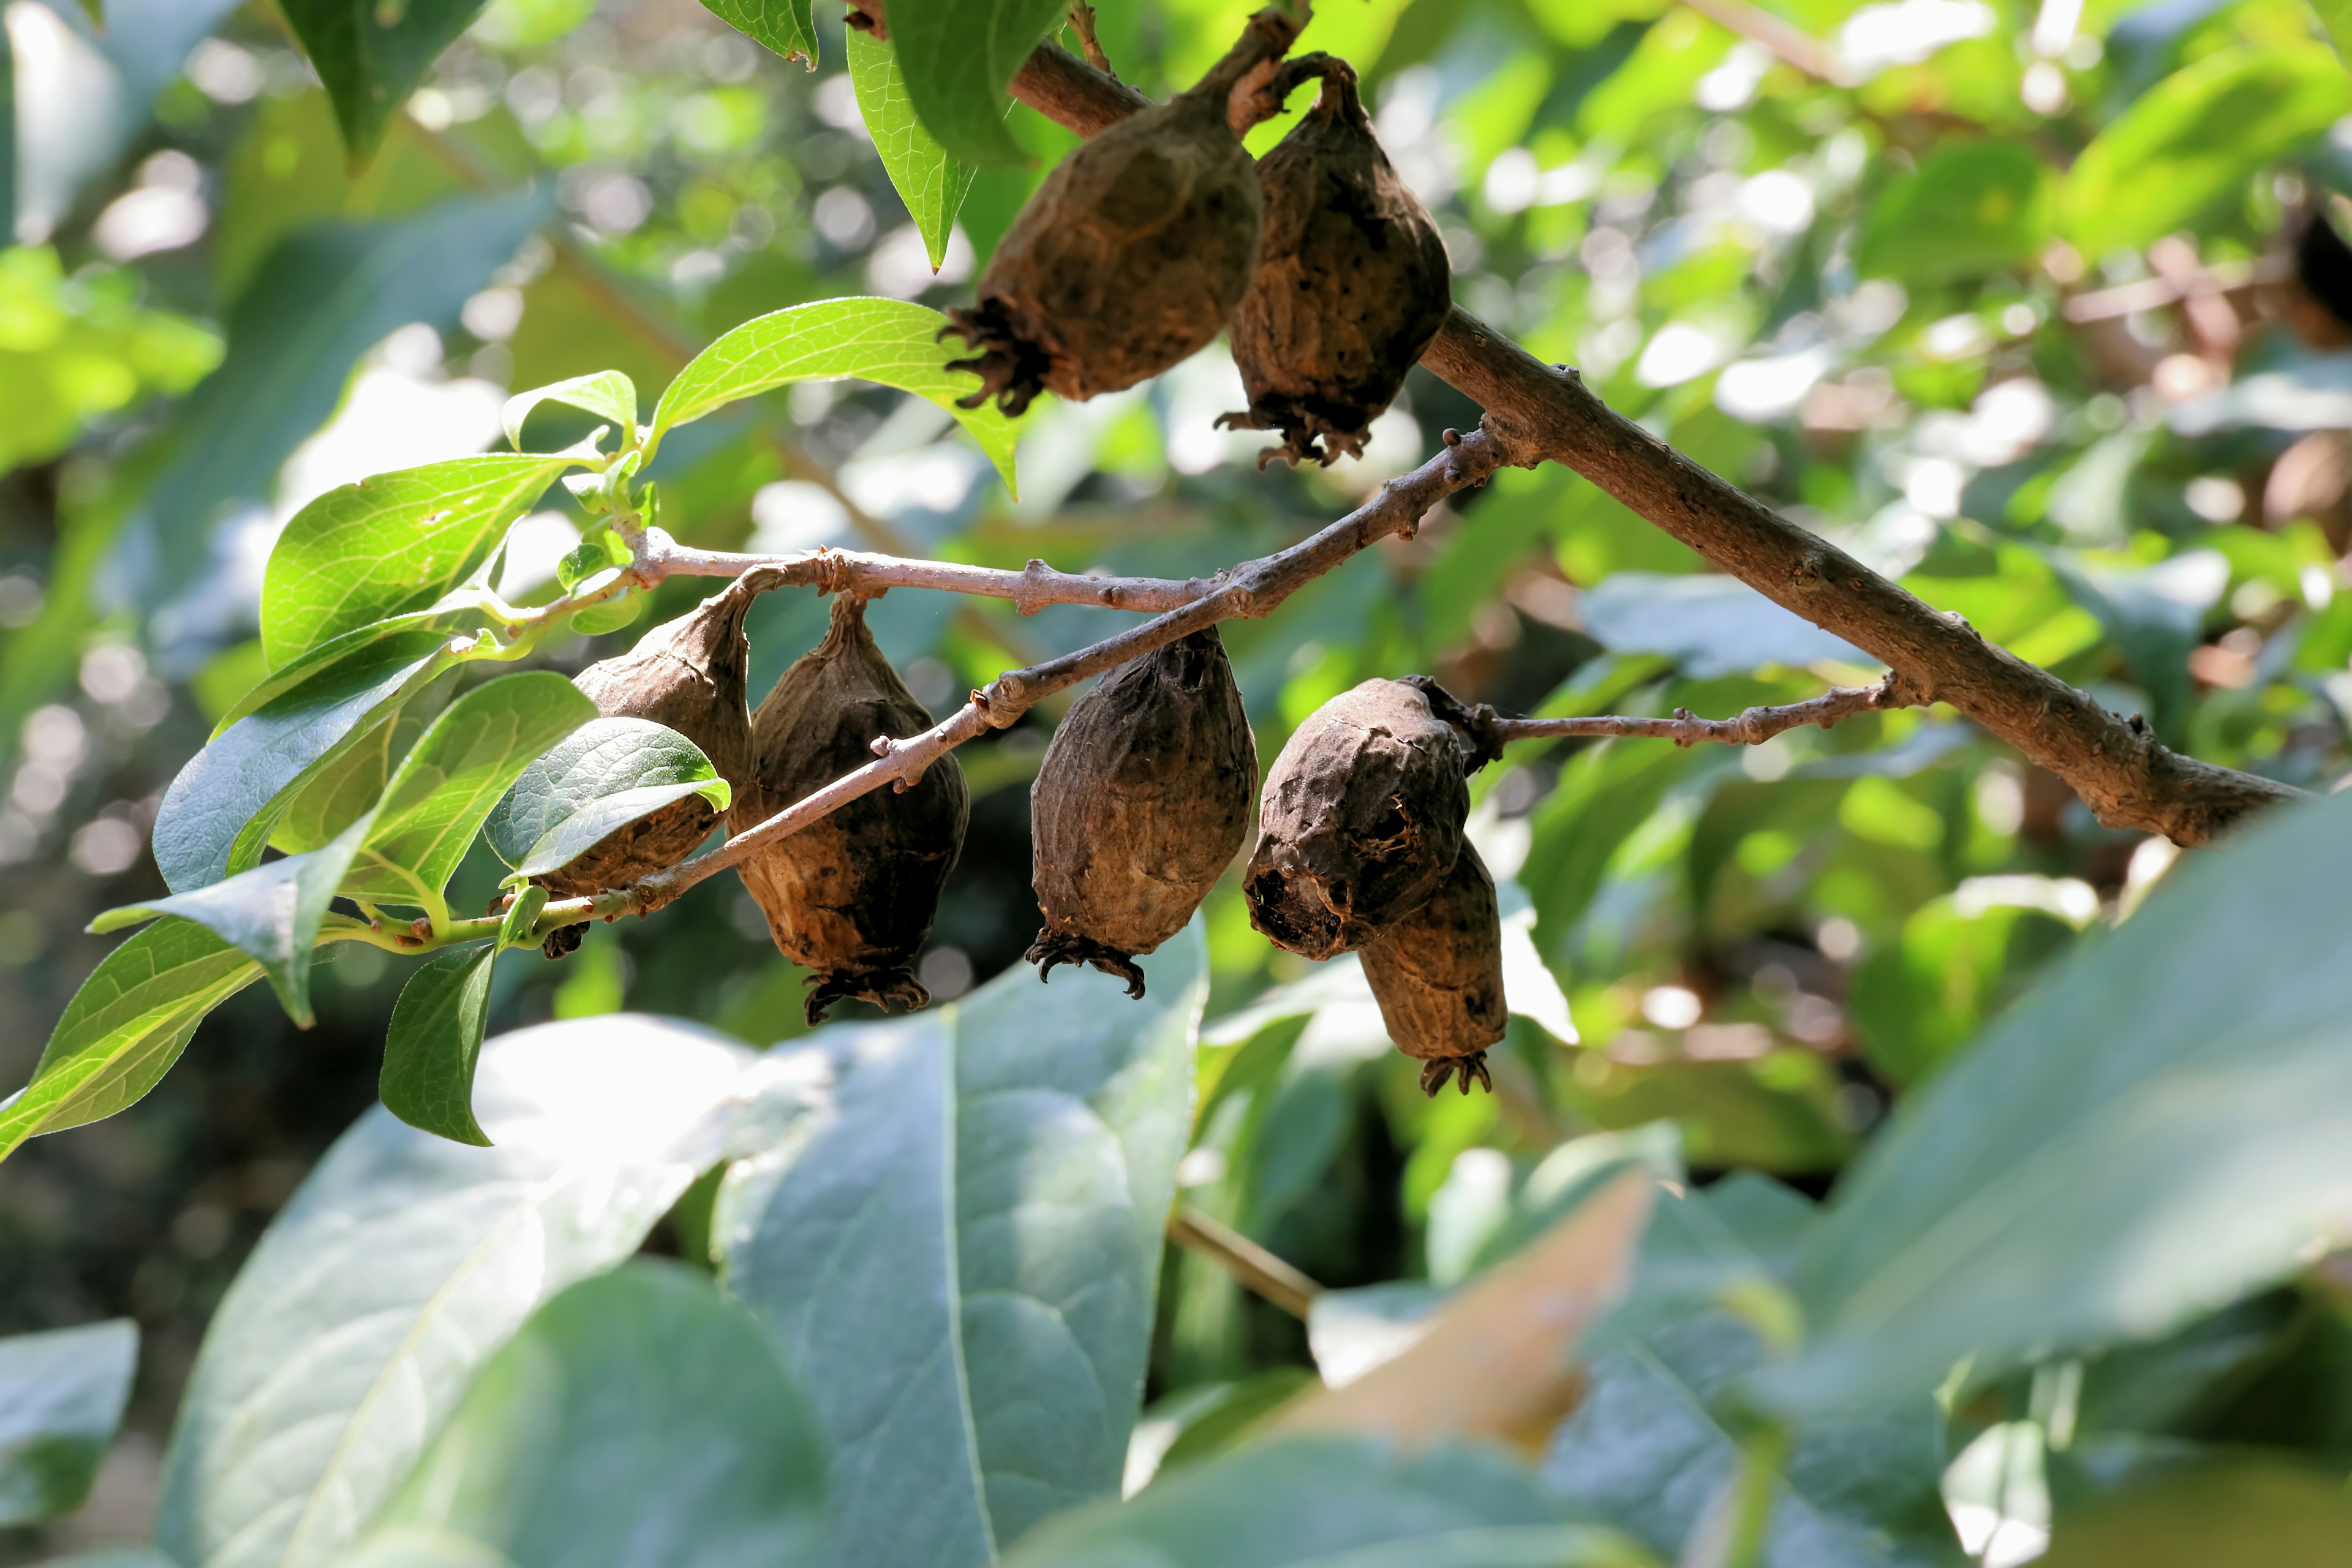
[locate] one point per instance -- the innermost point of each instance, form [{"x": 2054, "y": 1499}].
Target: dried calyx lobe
[
  {"x": 852, "y": 895},
  {"x": 1438, "y": 977},
  {"x": 1351, "y": 281},
  {"x": 1129, "y": 259},
  {"x": 1360, "y": 821},
  {"x": 688, "y": 674},
  {"x": 1142, "y": 800}
]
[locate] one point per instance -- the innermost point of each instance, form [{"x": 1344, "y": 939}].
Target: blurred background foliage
[{"x": 2005, "y": 300}]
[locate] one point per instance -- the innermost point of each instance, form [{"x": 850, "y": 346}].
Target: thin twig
[
  {"x": 865, "y": 573},
  {"x": 1250, "y": 589},
  {"x": 1752, "y": 727},
  {"x": 1082, "y": 22},
  {"x": 1784, "y": 40},
  {"x": 1244, "y": 1260}
]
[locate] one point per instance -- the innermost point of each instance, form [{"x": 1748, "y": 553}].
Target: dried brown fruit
[
  {"x": 1438, "y": 977},
  {"x": 1351, "y": 283},
  {"x": 1360, "y": 821},
  {"x": 1142, "y": 803},
  {"x": 1129, "y": 259},
  {"x": 852, "y": 895},
  {"x": 688, "y": 674}
]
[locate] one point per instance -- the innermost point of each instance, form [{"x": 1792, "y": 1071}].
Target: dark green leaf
[
  {"x": 604, "y": 392},
  {"x": 783, "y": 25},
  {"x": 638, "y": 1419},
  {"x": 890, "y": 341},
  {"x": 321, "y": 298},
  {"x": 397, "y": 542},
  {"x": 404, "y": 1261},
  {"x": 348, "y": 788},
  {"x": 452, "y": 778},
  {"x": 2275, "y": 1513},
  {"x": 2195, "y": 137},
  {"x": 606, "y": 775},
  {"x": 370, "y": 55},
  {"x": 1657, "y": 1437},
  {"x": 289, "y": 676},
  {"x": 1971, "y": 207},
  {"x": 271, "y": 912},
  {"x": 931, "y": 183},
  {"x": 61, "y": 1398},
  {"x": 1329, "y": 1502},
  {"x": 958, "y": 57},
  {"x": 222, "y": 809},
  {"x": 125, "y": 1027},
  {"x": 435, "y": 1035},
  {"x": 2153, "y": 1130},
  {"x": 961, "y": 1262}
]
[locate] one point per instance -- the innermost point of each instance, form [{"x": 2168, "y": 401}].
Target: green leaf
[
  {"x": 604, "y": 392},
  {"x": 293, "y": 673},
  {"x": 1971, "y": 207},
  {"x": 522, "y": 918},
  {"x": 783, "y": 25},
  {"x": 639, "y": 1418},
  {"x": 321, "y": 298},
  {"x": 2336, "y": 15},
  {"x": 1328, "y": 1503},
  {"x": 370, "y": 55},
  {"x": 2284, "y": 1513},
  {"x": 601, "y": 551},
  {"x": 397, "y": 542},
  {"x": 435, "y": 1035},
  {"x": 2158, "y": 1127},
  {"x": 404, "y": 1261},
  {"x": 889, "y": 342},
  {"x": 609, "y": 616},
  {"x": 608, "y": 773},
  {"x": 959, "y": 57},
  {"x": 453, "y": 778},
  {"x": 125, "y": 1027},
  {"x": 1657, "y": 1439},
  {"x": 348, "y": 788},
  {"x": 963, "y": 1260},
  {"x": 222, "y": 809},
  {"x": 2195, "y": 137},
  {"x": 933, "y": 185},
  {"x": 61, "y": 1398},
  {"x": 271, "y": 912}
]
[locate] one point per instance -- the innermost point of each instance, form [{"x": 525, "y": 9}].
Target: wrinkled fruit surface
[
  {"x": 1130, "y": 257},
  {"x": 1438, "y": 977},
  {"x": 1360, "y": 821},
  {"x": 1351, "y": 284},
  {"x": 852, "y": 895},
  {"x": 1142, "y": 800},
  {"x": 687, "y": 674}
]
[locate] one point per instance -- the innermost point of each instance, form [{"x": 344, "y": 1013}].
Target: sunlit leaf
[
  {"x": 61, "y": 1398},
  {"x": 930, "y": 183},
  {"x": 372, "y": 55},
  {"x": 887, "y": 340},
  {"x": 606, "y": 775},
  {"x": 783, "y": 25},
  {"x": 604, "y": 392},
  {"x": 958, "y": 57}
]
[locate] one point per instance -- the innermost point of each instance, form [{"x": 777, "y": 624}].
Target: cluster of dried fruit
[{"x": 1145, "y": 243}]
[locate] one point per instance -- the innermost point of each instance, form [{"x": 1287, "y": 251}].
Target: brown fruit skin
[
  {"x": 852, "y": 895},
  {"x": 1129, "y": 259},
  {"x": 1352, "y": 283},
  {"x": 1438, "y": 977},
  {"x": 1142, "y": 803},
  {"x": 1360, "y": 821},
  {"x": 688, "y": 674}
]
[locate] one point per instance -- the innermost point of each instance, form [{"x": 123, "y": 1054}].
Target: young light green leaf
[
  {"x": 522, "y": 914},
  {"x": 2336, "y": 15},
  {"x": 933, "y": 185},
  {"x": 435, "y": 1035},
  {"x": 783, "y": 25},
  {"x": 606, "y": 775},
  {"x": 607, "y": 393},
  {"x": 959, "y": 57},
  {"x": 639, "y": 1418},
  {"x": 61, "y": 1398},
  {"x": 1329, "y": 1501},
  {"x": 340, "y": 793},
  {"x": 125, "y": 1027},
  {"x": 993, "y": 1181},
  {"x": 452, "y": 778},
  {"x": 601, "y": 551},
  {"x": 609, "y": 616},
  {"x": 405, "y": 1260},
  {"x": 2134, "y": 1142},
  {"x": 371, "y": 56},
  {"x": 222, "y": 809},
  {"x": 271, "y": 912},
  {"x": 396, "y": 543},
  {"x": 890, "y": 341},
  {"x": 2197, "y": 136}
]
